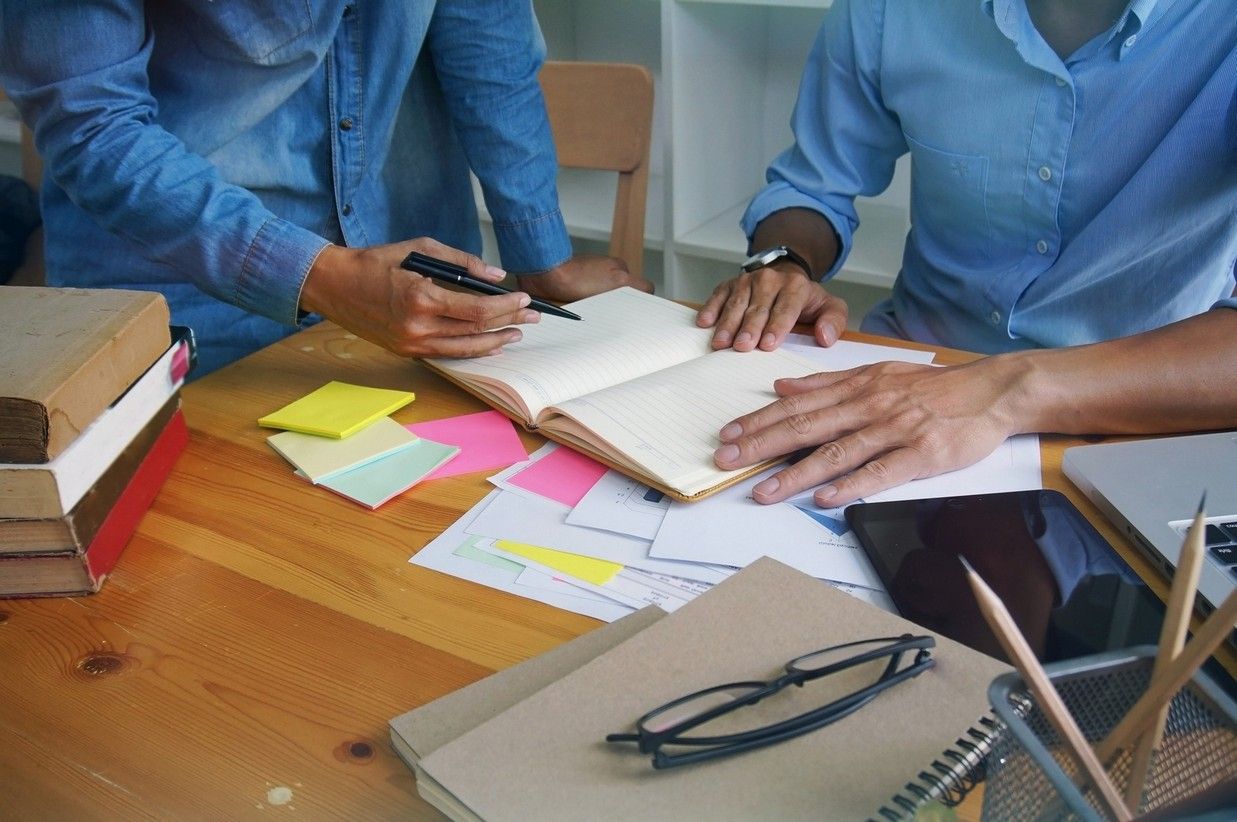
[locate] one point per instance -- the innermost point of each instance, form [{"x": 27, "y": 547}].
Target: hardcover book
[
  {"x": 65, "y": 355},
  {"x": 84, "y": 573}
]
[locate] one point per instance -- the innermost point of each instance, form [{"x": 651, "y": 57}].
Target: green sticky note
[
  {"x": 375, "y": 482},
  {"x": 337, "y": 409}
]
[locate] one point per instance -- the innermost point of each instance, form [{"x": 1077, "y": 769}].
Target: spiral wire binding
[{"x": 951, "y": 777}]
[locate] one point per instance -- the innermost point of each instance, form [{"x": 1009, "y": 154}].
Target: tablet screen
[{"x": 1068, "y": 590}]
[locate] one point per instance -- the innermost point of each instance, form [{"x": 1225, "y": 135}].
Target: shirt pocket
[
  {"x": 949, "y": 204},
  {"x": 257, "y": 31}
]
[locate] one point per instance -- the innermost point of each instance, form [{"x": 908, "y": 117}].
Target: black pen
[{"x": 446, "y": 272}]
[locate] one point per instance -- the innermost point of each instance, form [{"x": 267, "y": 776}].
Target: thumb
[{"x": 830, "y": 321}]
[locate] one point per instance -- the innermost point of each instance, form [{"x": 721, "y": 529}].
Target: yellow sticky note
[
  {"x": 596, "y": 571},
  {"x": 337, "y": 409}
]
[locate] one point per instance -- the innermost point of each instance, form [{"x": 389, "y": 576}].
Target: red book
[{"x": 43, "y": 575}]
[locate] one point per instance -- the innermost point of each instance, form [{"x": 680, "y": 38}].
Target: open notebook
[
  {"x": 634, "y": 384},
  {"x": 528, "y": 743}
]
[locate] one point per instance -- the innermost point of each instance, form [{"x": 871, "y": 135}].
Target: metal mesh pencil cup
[{"x": 1031, "y": 776}]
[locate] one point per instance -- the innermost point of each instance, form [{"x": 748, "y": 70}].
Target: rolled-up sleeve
[
  {"x": 846, "y": 141},
  {"x": 78, "y": 73},
  {"x": 487, "y": 55}
]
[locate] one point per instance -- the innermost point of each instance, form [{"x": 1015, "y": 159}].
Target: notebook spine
[{"x": 947, "y": 779}]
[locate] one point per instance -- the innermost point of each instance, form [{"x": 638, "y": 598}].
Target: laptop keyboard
[{"x": 1221, "y": 540}]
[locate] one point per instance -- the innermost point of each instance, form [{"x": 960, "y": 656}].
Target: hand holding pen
[
  {"x": 445, "y": 272},
  {"x": 368, "y": 292}
]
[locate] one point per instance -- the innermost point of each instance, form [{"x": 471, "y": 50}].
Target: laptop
[{"x": 1150, "y": 490}]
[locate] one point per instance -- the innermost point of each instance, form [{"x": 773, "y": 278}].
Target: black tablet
[{"x": 1069, "y": 591}]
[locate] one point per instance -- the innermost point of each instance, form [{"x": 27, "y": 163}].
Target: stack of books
[{"x": 90, "y": 426}]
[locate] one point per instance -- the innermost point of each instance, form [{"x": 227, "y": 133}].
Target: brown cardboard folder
[{"x": 543, "y": 756}]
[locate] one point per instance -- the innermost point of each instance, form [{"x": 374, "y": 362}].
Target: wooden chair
[{"x": 601, "y": 115}]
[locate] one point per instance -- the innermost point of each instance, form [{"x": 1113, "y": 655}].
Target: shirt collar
[{"x": 1014, "y": 20}]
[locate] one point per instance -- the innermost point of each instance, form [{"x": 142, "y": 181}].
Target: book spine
[
  {"x": 75, "y": 531},
  {"x": 52, "y": 490},
  {"x": 947, "y": 779},
  {"x": 85, "y": 574}
]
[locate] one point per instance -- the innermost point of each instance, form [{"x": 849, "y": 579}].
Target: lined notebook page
[
  {"x": 624, "y": 333},
  {"x": 667, "y": 422}
]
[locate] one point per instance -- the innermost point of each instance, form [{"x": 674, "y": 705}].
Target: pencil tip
[
  {"x": 1202, "y": 503},
  {"x": 966, "y": 565}
]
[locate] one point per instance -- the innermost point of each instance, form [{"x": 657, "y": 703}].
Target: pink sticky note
[
  {"x": 564, "y": 476},
  {"x": 487, "y": 440}
]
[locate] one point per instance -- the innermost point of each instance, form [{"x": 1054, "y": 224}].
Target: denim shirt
[
  {"x": 1052, "y": 202},
  {"x": 211, "y": 150}
]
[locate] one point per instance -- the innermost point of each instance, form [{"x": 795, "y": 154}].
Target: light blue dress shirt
[
  {"x": 211, "y": 150},
  {"x": 1052, "y": 202}
]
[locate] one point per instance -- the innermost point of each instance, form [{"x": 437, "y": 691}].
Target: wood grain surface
[{"x": 258, "y": 633}]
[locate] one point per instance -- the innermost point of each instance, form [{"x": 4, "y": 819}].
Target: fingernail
[
  {"x": 495, "y": 272},
  {"x": 525, "y": 300},
  {"x": 830, "y": 335},
  {"x": 722, "y": 338},
  {"x": 768, "y": 341},
  {"x": 743, "y": 339},
  {"x": 494, "y": 351},
  {"x": 530, "y": 316},
  {"x": 514, "y": 337},
  {"x": 704, "y": 320},
  {"x": 826, "y": 493},
  {"x": 727, "y": 453},
  {"x": 768, "y": 487},
  {"x": 731, "y": 431}
]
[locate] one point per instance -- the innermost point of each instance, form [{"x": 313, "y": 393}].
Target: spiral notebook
[{"x": 543, "y": 756}]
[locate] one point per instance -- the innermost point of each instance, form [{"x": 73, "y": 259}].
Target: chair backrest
[{"x": 602, "y": 118}]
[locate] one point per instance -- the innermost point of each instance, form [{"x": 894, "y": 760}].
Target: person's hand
[
  {"x": 365, "y": 291},
  {"x": 761, "y": 307},
  {"x": 876, "y": 426},
  {"x": 582, "y": 276}
]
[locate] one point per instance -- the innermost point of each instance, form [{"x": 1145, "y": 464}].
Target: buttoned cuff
[
  {"x": 274, "y": 270},
  {"x": 779, "y": 197},
  {"x": 1227, "y": 302},
  {"x": 534, "y": 245}
]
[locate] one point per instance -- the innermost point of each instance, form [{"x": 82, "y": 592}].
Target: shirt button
[
  {"x": 995, "y": 317},
  {"x": 1045, "y": 173},
  {"x": 1131, "y": 40},
  {"x": 347, "y": 209},
  {"x": 345, "y": 124},
  {"x": 1041, "y": 247},
  {"x": 1060, "y": 81},
  {"x": 348, "y": 10}
]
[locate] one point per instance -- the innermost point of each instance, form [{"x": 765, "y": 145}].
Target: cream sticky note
[
  {"x": 320, "y": 458},
  {"x": 337, "y": 409},
  {"x": 596, "y": 571},
  {"x": 375, "y": 482}
]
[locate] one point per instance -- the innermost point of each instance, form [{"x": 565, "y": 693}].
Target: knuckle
[
  {"x": 879, "y": 469},
  {"x": 801, "y": 424},
  {"x": 833, "y": 453}
]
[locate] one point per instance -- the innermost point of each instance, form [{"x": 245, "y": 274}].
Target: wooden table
[{"x": 258, "y": 633}]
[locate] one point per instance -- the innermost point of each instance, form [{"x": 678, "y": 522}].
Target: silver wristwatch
[{"x": 771, "y": 255}]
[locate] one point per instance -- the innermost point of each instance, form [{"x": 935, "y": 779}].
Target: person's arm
[
  {"x": 78, "y": 73},
  {"x": 846, "y": 144},
  {"x": 881, "y": 425},
  {"x": 487, "y": 56}
]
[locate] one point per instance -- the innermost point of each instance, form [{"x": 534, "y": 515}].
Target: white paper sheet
[
  {"x": 439, "y": 555},
  {"x": 730, "y": 529},
  {"x": 845, "y": 354},
  {"x": 623, "y": 505},
  {"x": 540, "y": 522}
]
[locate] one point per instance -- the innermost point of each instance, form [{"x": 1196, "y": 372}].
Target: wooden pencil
[
  {"x": 1172, "y": 639},
  {"x": 1023, "y": 658}
]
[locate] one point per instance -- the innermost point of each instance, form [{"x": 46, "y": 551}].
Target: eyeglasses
[{"x": 670, "y": 724}]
